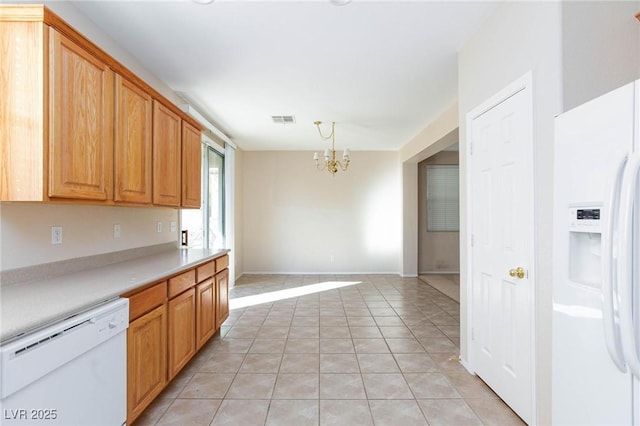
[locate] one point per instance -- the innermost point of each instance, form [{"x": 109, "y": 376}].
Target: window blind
[{"x": 443, "y": 198}]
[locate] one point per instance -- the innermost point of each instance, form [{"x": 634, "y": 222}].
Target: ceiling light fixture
[
  {"x": 203, "y": 1},
  {"x": 339, "y": 2},
  {"x": 330, "y": 162}
]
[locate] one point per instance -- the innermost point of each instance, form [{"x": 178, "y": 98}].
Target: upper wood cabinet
[
  {"x": 191, "y": 166},
  {"x": 81, "y": 119},
  {"x": 75, "y": 124},
  {"x": 166, "y": 156},
  {"x": 132, "y": 152},
  {"x": 22, "y": 120}
]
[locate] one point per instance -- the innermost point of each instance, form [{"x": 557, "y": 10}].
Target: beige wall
[
  {"x": 600, "y": 48},
  {"x": 518, "y": 37},
  {"x": 438, "y": 134},
  {"x": 437, "y": 251},
  {"x": 86, "y": 231},
  {"x": 300, "y": 220}
]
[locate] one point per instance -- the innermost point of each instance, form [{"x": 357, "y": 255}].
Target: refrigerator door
[
  {"x": 610, "y": 290},
  {"x": 628, "y": 297},
  {"x": 590, "y": 142}
]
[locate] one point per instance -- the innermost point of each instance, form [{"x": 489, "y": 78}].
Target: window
[
  {"x": 206, "y": 225},
  {"x": 443, "y": 198}
]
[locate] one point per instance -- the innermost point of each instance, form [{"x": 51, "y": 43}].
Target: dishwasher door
[{"x": 70, "y": 373}]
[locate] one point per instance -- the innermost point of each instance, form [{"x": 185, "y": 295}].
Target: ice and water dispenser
[{"x": 585, "y": 244}]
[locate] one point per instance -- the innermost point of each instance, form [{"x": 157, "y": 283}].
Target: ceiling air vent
[{"x": 283, "y": 119}]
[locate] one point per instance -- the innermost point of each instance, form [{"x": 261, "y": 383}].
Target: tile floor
[
  {"x": 449, "y": 284},
  {"x": 382, "y": 351}
]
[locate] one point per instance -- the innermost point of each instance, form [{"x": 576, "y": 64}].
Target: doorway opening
[{"x": 439, "y": 221}]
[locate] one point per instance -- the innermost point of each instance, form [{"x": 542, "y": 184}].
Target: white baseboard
[
  {"x": 466, "y": 366},
  {"x": 321, "y": 273},
  {"x": 439, "y": 272}
]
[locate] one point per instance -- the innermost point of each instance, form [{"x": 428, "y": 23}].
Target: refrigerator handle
[
  {"x": 625, "y": 263},
  {"x": 609, "y": 290}
]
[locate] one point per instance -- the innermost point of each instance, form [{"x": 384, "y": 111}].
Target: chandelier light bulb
[{"x": 330, "y": 163}]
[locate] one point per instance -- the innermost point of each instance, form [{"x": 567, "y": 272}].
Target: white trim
[
  {"x": 439, "y": 272},
  {"x": 523, "y": 83},
  {"x": 212, "y": 144},
  {"x": 229, "y": 205},
  {"x": 189, "y": 109},
  {"x": 326, "y": 273}
]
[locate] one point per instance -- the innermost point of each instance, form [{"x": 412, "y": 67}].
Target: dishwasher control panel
[{"x": 112, "y": 323}]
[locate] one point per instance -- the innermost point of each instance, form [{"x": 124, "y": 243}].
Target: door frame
[{"x": 524, "y": 83}]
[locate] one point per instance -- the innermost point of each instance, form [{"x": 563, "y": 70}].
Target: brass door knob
[{"x": 518, "y": 272}]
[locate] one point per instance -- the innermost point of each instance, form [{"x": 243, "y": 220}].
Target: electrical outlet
[
  {"x": 173, "y": 226},
  {"x": 56, "y": 235},
  {"x": 158, "y": 226},
  {"x": 116, "y": 230}
]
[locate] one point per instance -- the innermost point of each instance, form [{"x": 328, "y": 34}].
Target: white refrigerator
[{"x": 596, "y": 269}]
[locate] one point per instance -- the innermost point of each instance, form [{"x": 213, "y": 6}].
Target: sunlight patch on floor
[{"x": 272, "y": 296}]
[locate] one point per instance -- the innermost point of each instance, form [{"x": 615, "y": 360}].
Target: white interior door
[{"x": 501, "y": 211}]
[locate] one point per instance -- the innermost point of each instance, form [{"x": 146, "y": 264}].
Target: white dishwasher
[{"x": 70, "y": 373}]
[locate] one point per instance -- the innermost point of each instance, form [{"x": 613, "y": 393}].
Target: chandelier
[{"x": 330, "y": 163}]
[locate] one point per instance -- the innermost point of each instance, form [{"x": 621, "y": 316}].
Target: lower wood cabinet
[
  {"x": 222, "y": 297},
  {"x": 182, "y": 330},
  {"x": 169, "y": 322},
  {"x": 205, "y": 311},
  {"x": 146, "y": 360}
]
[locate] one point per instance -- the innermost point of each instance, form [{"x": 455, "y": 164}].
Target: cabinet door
[
  {"x": 81, "y": 120},
  {"x": 182, "y": 333},
  {"x": 222, "y": 297},
  {"x": 146, "y": 360},
  {"x": 132, "y": 153},
  {"x": 191, "y": 166},
  {"x": 205, "y": 311},
  {"x": 22, "y": 107},
  {"x": 166, "y": 156}
]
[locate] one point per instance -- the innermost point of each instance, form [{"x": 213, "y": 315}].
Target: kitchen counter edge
[{"x": 28, "y": 306}]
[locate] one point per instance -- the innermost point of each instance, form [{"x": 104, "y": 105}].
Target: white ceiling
[{"x": 382, "y": 70}]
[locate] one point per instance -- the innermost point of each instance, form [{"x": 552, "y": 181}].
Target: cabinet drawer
[
  {"x": 145, "y": 300},
  {"x": 205, "y": 271},
  {"x": 222, "y": 263},
  {"x": 181, "y": 282}
]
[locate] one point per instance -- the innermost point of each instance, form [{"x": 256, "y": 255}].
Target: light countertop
[{"x": 26, "y": 306}]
